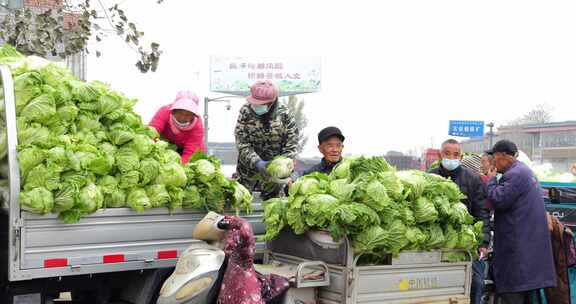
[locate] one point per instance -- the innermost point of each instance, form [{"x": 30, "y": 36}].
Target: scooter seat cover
[{"x": 241, "y": 284}]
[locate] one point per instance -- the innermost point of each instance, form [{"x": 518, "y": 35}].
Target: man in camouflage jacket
[{"x": 265, "y": 129}]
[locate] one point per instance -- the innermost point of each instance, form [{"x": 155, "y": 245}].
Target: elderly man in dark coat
[{"x": 523, "y": 259}]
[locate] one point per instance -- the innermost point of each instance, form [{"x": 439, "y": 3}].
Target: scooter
[
  {"x": 199, "y": 275},
  {"x": 199, "y": 270}
]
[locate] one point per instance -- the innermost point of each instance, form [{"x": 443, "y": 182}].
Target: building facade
[{"x": 553, "y": 143}]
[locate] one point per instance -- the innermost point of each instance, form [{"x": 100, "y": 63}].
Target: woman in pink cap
[
  {"x": 180, "y": 124},
  {"x": 265, "y": 129}
]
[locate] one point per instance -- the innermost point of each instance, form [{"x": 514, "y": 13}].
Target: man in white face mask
[{"x": 472, "y": 187}]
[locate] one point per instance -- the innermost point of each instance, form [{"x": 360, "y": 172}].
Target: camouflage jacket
[{"x": 263, "y": 138}]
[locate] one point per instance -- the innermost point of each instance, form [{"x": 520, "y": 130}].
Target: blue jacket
[
  {"x": 472, "y": 187},
  {"x": 523, "y": 258},
  {"x": 323, "y": 167}
]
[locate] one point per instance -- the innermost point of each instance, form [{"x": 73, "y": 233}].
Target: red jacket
[{"x": 190, "y": 141}]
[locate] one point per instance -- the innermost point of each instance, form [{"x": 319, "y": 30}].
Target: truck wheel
[
  {"x": 162, "y": 276},
  {"x": 100, "y": 296}
]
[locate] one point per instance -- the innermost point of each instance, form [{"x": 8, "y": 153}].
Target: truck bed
[
  {"x": 107, "y": 241},
  {"x": 110, "y": 240}
]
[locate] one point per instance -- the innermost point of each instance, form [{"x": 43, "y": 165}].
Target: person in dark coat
[
  {"x": 330, "y": 144},
  {"x": 472, "y": 187},
  {"x": 561, "y": 249},
  {"x": 523, "y": 261}
]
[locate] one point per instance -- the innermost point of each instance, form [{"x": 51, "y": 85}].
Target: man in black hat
[
  {"x": 523, "y": 259},
  {"x": 330, "y": 144}
]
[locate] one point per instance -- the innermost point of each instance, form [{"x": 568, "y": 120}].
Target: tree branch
[
  {"x": 42, "y": 33},
  {"x": 106, "y": 13},
  {"x": 111, "y": 23}
]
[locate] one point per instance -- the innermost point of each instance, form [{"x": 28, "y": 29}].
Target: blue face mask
[
  {"x": 450, "y": 164},
  {"x": 260, "y": 109}
]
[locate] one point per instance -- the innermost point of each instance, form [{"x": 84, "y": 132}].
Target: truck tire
[{"x": 144, "y": 287}]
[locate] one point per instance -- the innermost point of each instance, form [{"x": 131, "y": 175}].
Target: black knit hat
[{"x": 329, "y": 132}]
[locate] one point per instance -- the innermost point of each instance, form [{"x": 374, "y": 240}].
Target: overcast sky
[{"x": 393, "y": 72}]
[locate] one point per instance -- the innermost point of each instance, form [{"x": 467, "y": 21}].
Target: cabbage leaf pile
[
  {"x": 383, "y": 211},
  {"x": 82, "y": 148}
]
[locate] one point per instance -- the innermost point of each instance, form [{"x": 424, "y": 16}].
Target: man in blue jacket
[
  {"x": 523, "y": 260},
  {"x": 471, "y": 185}
]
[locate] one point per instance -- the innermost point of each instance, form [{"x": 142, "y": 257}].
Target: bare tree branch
[
  {"x": 296, "y": 108},
  {"x": 541, "y": 113},
  {"x": 105, "y": 10}
]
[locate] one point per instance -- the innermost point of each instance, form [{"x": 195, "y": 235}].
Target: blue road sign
[{"x": 466, "y": 128}]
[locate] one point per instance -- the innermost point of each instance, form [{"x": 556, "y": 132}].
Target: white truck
[{"x": 113, "y": 254}]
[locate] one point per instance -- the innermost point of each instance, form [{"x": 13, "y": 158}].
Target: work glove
[{"x": 261, "y": 166}]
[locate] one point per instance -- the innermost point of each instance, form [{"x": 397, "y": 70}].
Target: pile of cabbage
[
  {"x": 545, "y": 172},
  {"x": 383, "y": 211},
  {"x": 81, "y": 148}
]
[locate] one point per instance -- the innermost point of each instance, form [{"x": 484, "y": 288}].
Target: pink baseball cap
[
  {"x": 262, "y": 92},
  {"x": 186, "y": 100}
]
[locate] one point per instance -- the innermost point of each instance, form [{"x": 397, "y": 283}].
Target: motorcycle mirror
[
  {"x": 207, "y": 229},
  {"x": 223, "y": 224}
]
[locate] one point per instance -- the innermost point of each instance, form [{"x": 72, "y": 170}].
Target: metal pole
[
  {"x": 206, "y": 122},
  {"x": 14, "y": 218},
  {"x": 206, "y": 101},
  {"x": 490, "y": 135}
]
